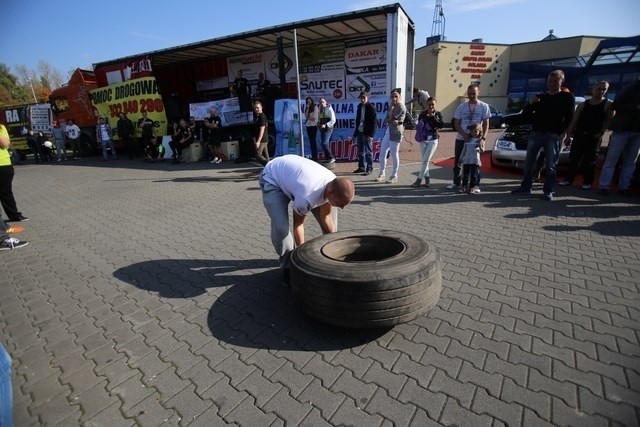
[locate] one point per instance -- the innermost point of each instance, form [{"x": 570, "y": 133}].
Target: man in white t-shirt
[
  {"x": 103, "y": 134},
  {"x": 72, "y": 132},
  {"x": 310, "y": 187},
  {"x": 470, "y": 112}
]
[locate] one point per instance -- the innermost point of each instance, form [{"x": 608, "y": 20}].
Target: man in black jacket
[
  {"x": 365, "y": 129},
  {"x": 125, "y": 133},
  {"x": 550, "y": 114}
]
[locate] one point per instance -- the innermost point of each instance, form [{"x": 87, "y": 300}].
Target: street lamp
[{"x": 33, "y": 92}]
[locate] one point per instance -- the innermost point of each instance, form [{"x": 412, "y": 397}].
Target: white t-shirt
[
  {"x": 300, "y": 179},
  {"x": 469, "y": 114},
  {"x": 72, "y": 130},
  {"x": 104, "y": 133}
]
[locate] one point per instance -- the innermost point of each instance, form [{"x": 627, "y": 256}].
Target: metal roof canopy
[{"x": 347, "y": 25}]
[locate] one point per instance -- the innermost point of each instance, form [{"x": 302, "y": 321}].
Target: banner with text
[
  {"x": 343, "y": 146},
  {"x": 131, "y": 98}
]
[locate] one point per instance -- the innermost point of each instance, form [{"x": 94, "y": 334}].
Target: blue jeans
[
  {"x": 107, "y": 143},
  {"x": 550, "y": 142},
  {"x": 627, "y": 145},
  {"x": 427, "y": 149},
  {"x": 365, "y": 152},
  {"x": 325, "y": 136}
]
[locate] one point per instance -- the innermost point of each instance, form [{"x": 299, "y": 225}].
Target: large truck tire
[{"x": 366, "y": 278}]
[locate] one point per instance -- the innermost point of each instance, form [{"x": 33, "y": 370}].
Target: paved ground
[{"x": 149, "y": 295}]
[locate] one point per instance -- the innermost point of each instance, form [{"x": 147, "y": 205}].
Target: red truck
[{"x": 72, "y": 101}]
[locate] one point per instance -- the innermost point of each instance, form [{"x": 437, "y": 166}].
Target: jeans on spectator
[
  {"x": 470, "y": 175},
  {"x": 427, "y": 148},
  {"x": 394, "y": 148},
  {"x": 312, "y": 132},
  {"x": 627, "y": 145},
  {"x": 550, "y": 142},
  {"x": 365, "y": 152},
  {"x": 325, "y": 137},
  {"x": 106, "y": 144},
  {"x": 61, "y": 149}
]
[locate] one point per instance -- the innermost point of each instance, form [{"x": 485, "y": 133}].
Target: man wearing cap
[{"x": 363, "y": 134}]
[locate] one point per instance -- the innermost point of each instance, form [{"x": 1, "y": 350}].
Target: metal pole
[
  {"x": 295, "y": 51},
  {"x": 33, "y": 92}
]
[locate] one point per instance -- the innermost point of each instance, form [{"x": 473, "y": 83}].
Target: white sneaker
[
  {"x": 215, "y": 160},
  {"x": 380, "y": 178},
  {"x": 452, "y": 187},
  {"x": 218, "y": 161},
  {"x": 586, "y": 187},
  {"x": 392, "y": 180},
  {"x": 475, "y": 190}
]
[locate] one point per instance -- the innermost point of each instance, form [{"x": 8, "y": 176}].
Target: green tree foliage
[{"x": 21, "y": 87}]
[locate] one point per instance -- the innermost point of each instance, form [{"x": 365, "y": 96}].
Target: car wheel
[{"x": 366, "y": 278}]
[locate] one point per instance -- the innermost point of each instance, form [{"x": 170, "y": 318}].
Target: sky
[{"x": 72, "y": 33}]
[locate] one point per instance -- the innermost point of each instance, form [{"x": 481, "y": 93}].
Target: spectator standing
[
  {"x": 213, "y": 124},
  {"x": 103, "y": 134},
  {"x": 421, "y": 97},
  {"x": 589, "y": 123},
  {"x": 326, "y": 121},
  {"x": 261, "y": 133},
  {"x": 392, "y": 138},
  {"x": 6, "y": 179},
  {"x": 34, "y": 145},
  {"x": 550, "y": 114},
  {"x": 311, "y": 124},
  {"x": 72, "y": 132},
  {"x": 624, "y": 141},
  {"x": 364, "y": 132},
  {"x": 469, "y": 112},
  {"x": 429, "y": 121},
  {"x": 146, "y": 126},
  {"x": 126, "y": 131},
  {"x": 310, "y": 187},
  {"x": 470, "y": 160},
  {"x": 58, "y": 136}
]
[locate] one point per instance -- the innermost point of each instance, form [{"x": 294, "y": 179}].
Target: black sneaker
[
  {"x": 359, "y": 170},
  {"x": 549, "y": 197},
  {"x": 365, "y": 173},
  {"x": 21, "y": 218},
  {"x": 12, "y": 243}
]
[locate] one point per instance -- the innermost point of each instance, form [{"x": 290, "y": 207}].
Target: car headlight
[{"x": 502, "y": 144}]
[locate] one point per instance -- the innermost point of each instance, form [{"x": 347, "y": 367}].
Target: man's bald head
[{"x": 340, "y": 192}]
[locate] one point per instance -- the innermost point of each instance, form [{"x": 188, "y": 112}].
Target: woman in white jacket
[{"x": 392, "y": 138}]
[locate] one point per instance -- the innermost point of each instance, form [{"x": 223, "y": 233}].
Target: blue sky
[{"x": 69, "y": 34}]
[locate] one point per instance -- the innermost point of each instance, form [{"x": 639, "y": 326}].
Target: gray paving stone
[{"x": 536, "y": 325}]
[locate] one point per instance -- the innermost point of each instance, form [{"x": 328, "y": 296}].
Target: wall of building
[
  {"x": 557, "y": 48},
  {"x": 446, "y": 69}
]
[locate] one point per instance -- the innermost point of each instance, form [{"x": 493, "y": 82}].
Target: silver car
[{"x": 510, "y": 148}]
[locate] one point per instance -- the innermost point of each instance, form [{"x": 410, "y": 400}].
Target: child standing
[{"x": 470, "y": 159}]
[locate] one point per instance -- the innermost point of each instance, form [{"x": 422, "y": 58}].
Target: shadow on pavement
[{"x": 252, "y": 309}]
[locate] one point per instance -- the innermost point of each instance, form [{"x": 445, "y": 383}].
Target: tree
[
  {"x": 26, "y": 84},
  {"x": 11, "y": 91}
]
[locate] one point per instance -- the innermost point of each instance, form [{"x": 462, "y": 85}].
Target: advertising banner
[
  {"x": 343, "y": 146},
  {"x": 228, "y": 110},
  {"x": 131, "y": 98}
]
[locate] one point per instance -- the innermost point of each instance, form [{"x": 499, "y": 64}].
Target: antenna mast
[{"x": 439, "y": 21}]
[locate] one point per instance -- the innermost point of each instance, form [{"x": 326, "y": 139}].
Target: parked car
[
  {"x": 496, "y": 121},
  {"x": 510, "y": 148}
]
